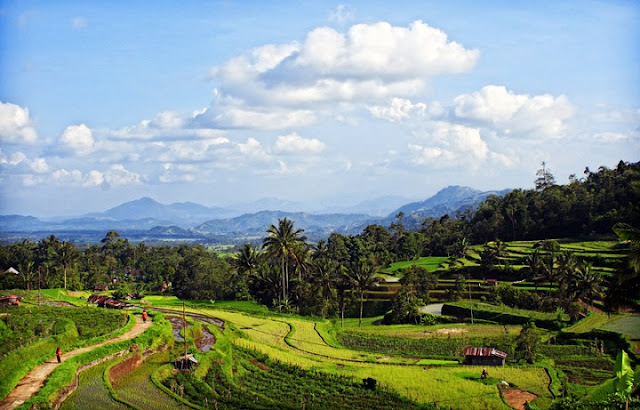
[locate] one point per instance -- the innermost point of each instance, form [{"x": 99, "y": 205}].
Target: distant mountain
[
  {"x": 19, "y": 222},
  {"x": 148, "y": 220},
  {"x": 181, "y": 213},
  {"x": 266, "y": 204},
  {"x": 450, "y": 200},
  {"x": 379, "y": 207},
  {"x": 257, "y": 223}
]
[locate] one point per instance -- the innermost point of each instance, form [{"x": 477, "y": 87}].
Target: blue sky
[{"x": 217, "y": 102}]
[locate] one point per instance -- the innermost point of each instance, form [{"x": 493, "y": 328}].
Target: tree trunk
[{"x": 361, "y": 304}]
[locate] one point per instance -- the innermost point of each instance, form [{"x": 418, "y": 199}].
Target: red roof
[{"x": 484, "y": 351}]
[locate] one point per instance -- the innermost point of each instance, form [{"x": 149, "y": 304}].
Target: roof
[{"x": 484, "y": 351}]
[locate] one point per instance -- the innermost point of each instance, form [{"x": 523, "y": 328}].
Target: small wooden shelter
[
  {"x": 186, "y": 362},
  {"x": 484, "y": 356},
  {"x": 11, "y": 300},
  {"x": 107, "y": 302}
]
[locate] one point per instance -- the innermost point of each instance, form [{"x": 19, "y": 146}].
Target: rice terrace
[
  {"x": 433, "y": 318},
  {"x": 372, "y": 204}
]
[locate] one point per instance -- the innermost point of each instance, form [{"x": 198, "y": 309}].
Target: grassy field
[
  {"x": 263, "y": 359},
  {"x": 430, "y": 263},
  {"x": 299, "y": 343},
  {"x": 92, "y": 392}
]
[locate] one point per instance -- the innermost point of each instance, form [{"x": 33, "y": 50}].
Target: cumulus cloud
[
  {"x": 227, "y": 113},
  {"x": 403, "y": 109},
  {"x": 450, "y": 145},
  {"x": 78, "y": 138},
  {"x": 368, "y": 61},
  {"x": 516, "y": 114},
  {"x": 253, "y": 149},
  {"x": 191, "y": 151},
  {"x": 115, "y": 175},
  {"x": 15, "y": 126},
  {"x": 293, "y": 143}
]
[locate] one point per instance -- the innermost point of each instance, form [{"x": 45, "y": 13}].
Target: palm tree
[
  {"x": 536, "y": 266},
  {"x": 66, "y": 255},
  {"x": 362, "y": 275},
  {"x": 246, "y": 259},
  {"x": 586, "y": 283},
  {"x": 625, "y": 285},
  {"x": 281, "y": 243}
]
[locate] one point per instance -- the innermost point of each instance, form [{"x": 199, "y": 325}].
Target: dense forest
[{"x": 324, "y": 278}]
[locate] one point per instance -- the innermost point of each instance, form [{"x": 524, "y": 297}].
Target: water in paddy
[
  {"x": 91, "y": 392},
  {"x": 137, "y": 388}
]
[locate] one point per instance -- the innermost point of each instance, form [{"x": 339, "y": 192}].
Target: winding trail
[{"x": 35, "y": 379}]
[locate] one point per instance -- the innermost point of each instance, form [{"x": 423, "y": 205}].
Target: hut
[
  {"x": 186, "y": 362},
  {"x": 107, "y": 302},
  {"x": 484, "y": 356},
  {"x": 11, "y": 300}
]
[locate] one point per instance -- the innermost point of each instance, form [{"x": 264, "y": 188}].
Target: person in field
[
  {"x": 59, "y": 354},
  {"x": 144, "y": 315}
]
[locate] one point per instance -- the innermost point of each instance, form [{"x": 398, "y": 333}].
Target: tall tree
[
  {"x": 66, "y": 255},
  {"x": 281, "y": 243},
  {"x": 545, "y": 179},
  {"x": 625, "y": 285},
  {"x": 362, "y": 275}
]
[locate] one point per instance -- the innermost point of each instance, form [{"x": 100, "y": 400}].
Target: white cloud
[
  {"x": 450, "y": 145},
  {"x": 232, "y": 114},
  {"x": 399, "y": 109},
  {"x": 79, "y": 23},
  {"x": 15, "y": 126},
  {"x": 293, "y": 143},
  {"x": 516, "y": 114},
  {"x": 39, "y": 166},
  {"x": 369, "y": 61},
  {"x": 78, "y": 138},
  {"x": 253, "y": 149},
  {"x": 342, "y": 14},
  {"x": 167, "y": 120},
  {"x": 115, "y": 175},
  {"x": 195, "y": 150},
  {"x": 69, "y": 177},
  {"x": 13, "y": 160}
]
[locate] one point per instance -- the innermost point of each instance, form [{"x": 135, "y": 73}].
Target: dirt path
[
  {"x": 34, "y": 380},
  {"x": 517, "y": 398}
]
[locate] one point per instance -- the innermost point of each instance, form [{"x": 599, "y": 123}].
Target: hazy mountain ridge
[{"x": 148, "y": 220}]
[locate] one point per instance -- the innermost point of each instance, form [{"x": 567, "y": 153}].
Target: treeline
[{"x": 330, "y": 276}]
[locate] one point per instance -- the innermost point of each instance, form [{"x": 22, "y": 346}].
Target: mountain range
[{"x": 147, "y": 220}]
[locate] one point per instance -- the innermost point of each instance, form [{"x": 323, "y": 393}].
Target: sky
[{"x": 217, "y": 102}]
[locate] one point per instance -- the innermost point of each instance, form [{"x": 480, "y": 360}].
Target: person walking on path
[
  {"x": 144, "y": 315},
  {"x": 59, "y": 354}
]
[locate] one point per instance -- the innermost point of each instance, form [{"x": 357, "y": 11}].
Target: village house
[{"x": 484, "y": 356}]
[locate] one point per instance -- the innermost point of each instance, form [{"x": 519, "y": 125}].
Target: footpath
[{"x": 35, "y": 379}]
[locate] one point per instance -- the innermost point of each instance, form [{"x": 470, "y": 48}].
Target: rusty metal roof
[{"x": 484, "y": 351}]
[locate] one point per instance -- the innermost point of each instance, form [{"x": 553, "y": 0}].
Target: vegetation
[{"x": 341, "y": 322}]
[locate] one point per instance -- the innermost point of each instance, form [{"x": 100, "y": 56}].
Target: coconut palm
[
  {"x": 281, "y": 243},
  {"x": 246, "y": 259},
  {"x": 625, "y": 285},
  {"x": 362, "y": 275},
  {"x": 65, "y": 255},
  {"x": 586, "y": 283}
]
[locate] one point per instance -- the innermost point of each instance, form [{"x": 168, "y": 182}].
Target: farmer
[
  {"x": 144, "y": 315},
  {"x": 485, "y": 373},
  {"x": 59, "y": 354}
]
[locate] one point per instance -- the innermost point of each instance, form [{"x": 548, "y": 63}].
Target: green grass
[
  {"x": 135, "y": 387},
  {"x": 430, "y": 263},
  {"x": 91, "y": 392}
]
